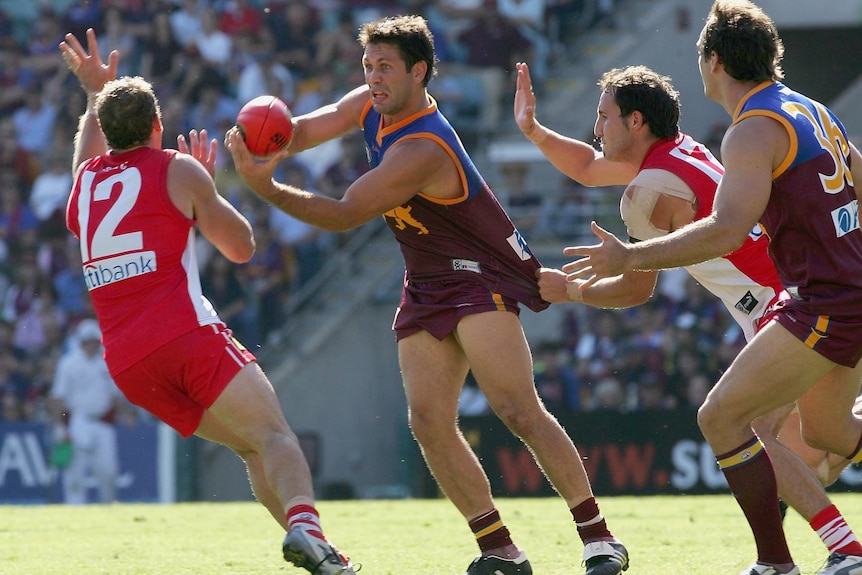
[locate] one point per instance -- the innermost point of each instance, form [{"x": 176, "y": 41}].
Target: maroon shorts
[
  {"x": 437, "y": 307},
  {"x": 836, "y": 339},
  {"x": 181, "y": 379}
]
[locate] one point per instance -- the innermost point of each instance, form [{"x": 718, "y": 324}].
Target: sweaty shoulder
[
  {"x": 430, "y": 164},
  {"x": 187, "y": 179},
  {"x": 759, "y": 137},
  {"x": 640, "y": 199}
]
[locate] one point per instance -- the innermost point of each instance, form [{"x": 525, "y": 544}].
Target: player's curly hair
[
  {"x": 126, "y": 108},
  {"x": 745, "y": 40},
  {"x": 638, "y": 88},
  {"x": 410, "y": 34}
]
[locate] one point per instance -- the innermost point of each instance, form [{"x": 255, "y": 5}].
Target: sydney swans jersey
[
  {"x": 138, "y": 254},
  {"x": 745, "y": 280},
  {"x": 469, "y": 237},
  {"x": 812, "y": 217}
]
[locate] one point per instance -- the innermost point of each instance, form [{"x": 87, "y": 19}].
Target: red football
[{"x": 265, "y": 125}]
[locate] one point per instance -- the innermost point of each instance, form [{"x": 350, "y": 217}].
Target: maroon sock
[
  {"x": 490, "y": 531},
  {"x": 751, "y": 479},
  {"x": 591, "y": 524}
]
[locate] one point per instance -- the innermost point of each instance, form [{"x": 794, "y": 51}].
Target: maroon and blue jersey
[
  {"x": 468, "y": 237},
  {"x": 812, "y": 217}
]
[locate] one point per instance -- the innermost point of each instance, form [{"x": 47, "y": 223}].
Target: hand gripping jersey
[
  {"x": 746, "y": 280},
  {"x": 138, "y": 254},
  {"x": 812, "y": 217},
  {"x": 469, "y": 237}
]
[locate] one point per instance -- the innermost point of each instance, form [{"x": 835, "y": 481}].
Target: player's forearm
[
  {"x": 578, "y": 159},
  {"x": 698, "y": 242},
  {"x": 611, "y": 293},
  {"x": 317, "y": 210},
  {"x": 89, "y": 139}
]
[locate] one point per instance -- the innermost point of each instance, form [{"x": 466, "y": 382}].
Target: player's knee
[
  {"x": 425, "y": 423},
  {"x": 707, "y": 418},
  {"x": 520, "y": 421}
]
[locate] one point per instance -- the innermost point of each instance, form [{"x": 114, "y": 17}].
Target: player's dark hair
[
  {"x": 127, "y": 108},
  {"x": 637, "y": 88},
  {"x": 745, "y": 40},
  {"x": 410, "y": 34}
]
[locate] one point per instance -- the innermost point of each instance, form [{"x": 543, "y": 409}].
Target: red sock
[
  {"x": 751, "y": 479},
  {"x": 591, "y": 524},
  {"x": 490, "y": 531},
  {"x": 307, "y": 516},
  {"x": 835, "y": 533}
]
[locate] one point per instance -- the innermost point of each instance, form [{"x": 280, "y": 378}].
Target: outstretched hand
[
  {"x": 92, "y": 73},
  {"x": 200, "y": 150},
  {"x": 606, "y": 259},
  {"x": 525, "y": 100},
  {"x": 256, "y": 172}
]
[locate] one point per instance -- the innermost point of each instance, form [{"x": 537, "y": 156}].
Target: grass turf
[{"x": 692, "y": 535}]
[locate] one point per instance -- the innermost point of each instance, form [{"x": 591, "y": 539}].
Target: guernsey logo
[
  {"x": 112, "y": 270},
  {"x": 846, "y": 218},
  {"x": 403, "y": 218},
  {"x": 519, "y": 246}
]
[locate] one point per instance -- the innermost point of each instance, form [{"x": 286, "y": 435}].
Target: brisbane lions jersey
[
  {"x": 470, "y": 236},
  {"x": 812, "y": 217}
]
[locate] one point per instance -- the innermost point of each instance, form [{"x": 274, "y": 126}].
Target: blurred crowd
[{"x": 205, "y": 58}]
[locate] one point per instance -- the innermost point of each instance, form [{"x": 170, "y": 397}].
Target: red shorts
[
  {"x": 437, "y": 307},
  {"x": 836, "y": 339},
  {"x": 181, "y": 379}
]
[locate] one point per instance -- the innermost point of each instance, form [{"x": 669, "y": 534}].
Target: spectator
[
  {"x": 294, "y": 29},
  {"x": 34, "y": 121},
  {"x": 254, "y": 79},
  {"x": 240, "y": 17},
  {"x": 523, "y": 204},
  {"x": 609, "y": 393},
  {"x": 161, "y": 56},
  {"x": 493, "y": 46},
  {"x": 556, "y": 382},
  {"x": 305, "y": 241},
  {"x": 84, "y": 401},
  {"x": 50, "y": 191},
  {"x": 471, "y": 401},
  {"x": 530, "y": 18},
  {"x": 14, "y": 79},
  {"x": 220, "y": 281},
  {"x": 352, "y": 163},
  {"x": 186, "y": 23},
  {"x": 596, "y": 352},
  {"x": 266, "y": 277},
  {"x": 214, "y": 111},
  {"x": 118, "y": 35},
  {"x": 18, "y": 224},
  {"x": 213, "y": 45}
]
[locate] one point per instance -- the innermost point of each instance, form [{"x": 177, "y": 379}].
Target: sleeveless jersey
[
  {"x": 745, "y": 280},
  {"x": 812, "y": 217},
  {"x": 138, "y": 254},
  {"x": 466, "y": 237}
]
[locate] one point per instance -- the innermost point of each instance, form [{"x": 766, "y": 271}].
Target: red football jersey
[{"x": 138, "y": 254}]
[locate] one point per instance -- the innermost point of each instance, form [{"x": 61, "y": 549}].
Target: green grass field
[{"x": 691, "y": 535}]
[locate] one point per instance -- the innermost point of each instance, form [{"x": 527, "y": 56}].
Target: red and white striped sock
[
  {"x": 835, "y": 533},
  {"x": 307, "y": 516}
]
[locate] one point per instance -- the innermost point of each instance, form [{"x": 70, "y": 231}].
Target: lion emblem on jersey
[{"x": 403, "y": 218}]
